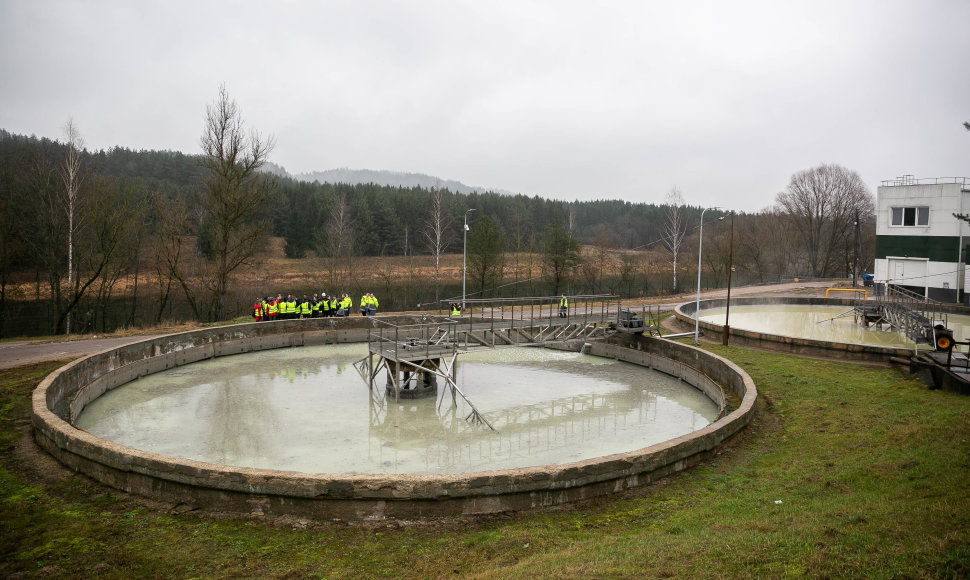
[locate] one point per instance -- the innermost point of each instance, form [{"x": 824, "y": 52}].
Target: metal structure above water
[{"x": 415, "y": 357}]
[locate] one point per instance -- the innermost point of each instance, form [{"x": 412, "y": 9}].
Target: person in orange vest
[{"x": 258, "y": 310}]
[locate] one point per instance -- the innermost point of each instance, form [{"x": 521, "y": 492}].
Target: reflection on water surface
[{"x": 307, "y": 409}]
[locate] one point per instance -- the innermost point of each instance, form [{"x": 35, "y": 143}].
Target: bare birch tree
[
  {"x": 337, "y": 239},
  {"x": 436, "y": 236},
  {"x": 71, "y": 176},
  {"x": 675, "y": 228}
]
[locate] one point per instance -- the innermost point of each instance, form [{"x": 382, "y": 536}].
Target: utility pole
[
  {"x": 727, "y": 304},
  {"x": 858, "y": 250}
]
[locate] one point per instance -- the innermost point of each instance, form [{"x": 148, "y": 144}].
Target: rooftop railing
[{"x": 910, "y": 180}]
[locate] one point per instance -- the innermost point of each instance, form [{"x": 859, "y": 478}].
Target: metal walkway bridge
[
  {"x": 916, "y": 316},
  {"x": 416, "y": 356}
]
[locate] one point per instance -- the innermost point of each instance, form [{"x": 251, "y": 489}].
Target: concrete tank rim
[
  {"x": 498, "y": 489},
  {"x": 42, "y": 410},
  {"x": 685, "y": 311}
]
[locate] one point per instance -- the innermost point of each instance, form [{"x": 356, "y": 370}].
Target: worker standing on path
[
  {"x": 258, "y": 310},
  {"x": 373, "y": 305},
  {"x": 345, "y": 305},
  {"x": 563, "y": 307}
]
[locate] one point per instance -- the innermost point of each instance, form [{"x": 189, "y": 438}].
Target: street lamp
[
  {"x": 727, "y": 305},
  {"x": 464, "y": 251},
  {"x": 697, "y": 308}
]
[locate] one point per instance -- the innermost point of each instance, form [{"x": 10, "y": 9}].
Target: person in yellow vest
[
  {"x": 363, "y": 304},
  {"x": 285, "y": 307},
  {"x": 373, "y": 304},
  {"x": 273, "y": 308},
  {"x": 291, "y": 311},
  {"x": 334, "y": 305},
  {"x": 258, "y": 310},
  {"x": 563, "y": 306},
  {"x": 345, "y": 305},
  {"x": 324, "y": 305},
  {"x": 456, "y": 308},
  {"x": 305, "y": 307}
]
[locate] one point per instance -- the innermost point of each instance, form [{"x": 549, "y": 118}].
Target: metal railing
[
  {"x": 430, "y": 340},
  {"x": 507, "y": 316},
  {"x": 910, "y": 180},
  {"x": 912, "y": 313}
]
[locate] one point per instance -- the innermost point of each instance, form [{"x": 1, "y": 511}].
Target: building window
[{"x": 910, "y": 216}]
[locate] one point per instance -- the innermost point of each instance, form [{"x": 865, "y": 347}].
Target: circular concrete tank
[
  {"x": 864, "y": 345},
  {"x": 62, "y": 395}
]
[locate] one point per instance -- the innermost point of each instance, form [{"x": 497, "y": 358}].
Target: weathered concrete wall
[
  {"x": 62, "y": 395},
  {"x": 800, "y": 346}
]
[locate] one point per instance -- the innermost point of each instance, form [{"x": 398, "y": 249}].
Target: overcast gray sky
[{"x": 568, "y": 100}]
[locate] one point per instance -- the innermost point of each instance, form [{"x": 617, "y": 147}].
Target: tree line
[{"x": 181, "y": 228}]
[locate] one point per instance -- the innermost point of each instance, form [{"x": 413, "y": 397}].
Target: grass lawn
[{"x": 847, "y": 471}]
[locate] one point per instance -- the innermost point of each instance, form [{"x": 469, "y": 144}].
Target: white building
[{"x": 920, "y": 245}]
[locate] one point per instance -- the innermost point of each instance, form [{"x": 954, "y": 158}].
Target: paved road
[{"x": 17, "y": 353}]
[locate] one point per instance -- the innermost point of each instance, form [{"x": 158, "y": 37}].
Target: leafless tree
[
  {"x": 628, "y": 272},
  {"x": 172, "y": 254},
  {"x": 675, "y": 228},
  {"x": 234, "y": 198},
  {"x": 437, "y": 235},
  {"x": 55, "y": 203},
  {"x": 822, "y": 203},
  {"x": 597, "y": 263},
  {"x": 755, "y": 235},
  {"x": 337, "y": 238},
  {"x": 71, "y": 176},
  {"x": 41, "y": 225},
  {"x": 116, "y": 214}
]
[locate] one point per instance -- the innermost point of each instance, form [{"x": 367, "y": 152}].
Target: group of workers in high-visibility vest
[
  {"x": 320, "y": 305},
  {"x": 281, "y": 308},
  {"x": 368, "y": 304}
]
